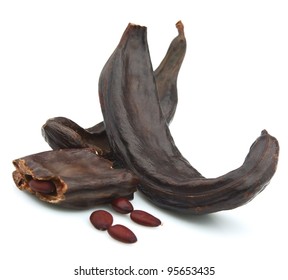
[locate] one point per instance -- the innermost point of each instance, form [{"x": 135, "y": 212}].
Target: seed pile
[{"x": 103, "y": 220}]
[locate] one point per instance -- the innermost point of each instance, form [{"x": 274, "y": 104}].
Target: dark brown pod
[
  {"x": 63, "y": 133},
  {"x": 128, "y": 97},
  {"x": 167, "y": 72},
  {"x": 122, "y": 205},
  {"x": 81, "y": 178},
  {"x": 101, "y": 219},
  {"x": 122, "y": 233},
  {"x": 145, "y": 219}
]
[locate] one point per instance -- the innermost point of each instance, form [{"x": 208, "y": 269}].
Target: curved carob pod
[
  {"x": 139, "y": 136},
  {"x": 63, "y": 133},
  {"x": 73, "y": 178},
  {"x": 167, "y": 72}
]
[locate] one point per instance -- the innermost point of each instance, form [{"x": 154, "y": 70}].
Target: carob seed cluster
[
  {"x": 133, "y": 149},
  {"x": 103, "y": 220}
]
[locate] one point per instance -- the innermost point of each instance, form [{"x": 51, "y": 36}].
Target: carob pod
[
  {"x": 81, "y": 178},
  {"x": 63, "y": 133},
  {"x": 167, "y": 73},
  {"x": 139, "y": 137}
]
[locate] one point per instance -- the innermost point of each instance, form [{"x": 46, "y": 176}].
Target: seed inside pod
[
  {"x": 101, "y": 219},
  {"x": 42, "y": 186},
  {"x": 83, "y": 179},
  {"x": 122, "y": 205}
]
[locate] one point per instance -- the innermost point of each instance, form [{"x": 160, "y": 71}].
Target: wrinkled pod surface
[
  {"x": 73, "y": 178},
  {"x": 63, "y": 133},
  {"x": 140, "y": 138}
]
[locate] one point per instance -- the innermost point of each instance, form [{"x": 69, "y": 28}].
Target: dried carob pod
[
  {"x": 167, "y": 73},
  {"x": 139, "y": 137},
  {"x": 63, "y": 133},
  {"x": 81, "y": 179}
]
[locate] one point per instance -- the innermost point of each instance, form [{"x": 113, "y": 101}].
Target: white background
[{"x": 233, "y": 84}]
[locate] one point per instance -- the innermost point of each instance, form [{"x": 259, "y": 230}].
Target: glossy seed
[
  {"x": 122, "y": 205},
  {"x": 101, "y": 219},
  {"x": 122, "y": 233},
  {"x": 143, "y": 218},
  {"x": 42, "y": 186}
]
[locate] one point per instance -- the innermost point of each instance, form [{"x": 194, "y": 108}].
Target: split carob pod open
[
  {"x": 63, "y": 133},
  {"x": 139, "y": 137},
  {"x": 73, "y": 178}
]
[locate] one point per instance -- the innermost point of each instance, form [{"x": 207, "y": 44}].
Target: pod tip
[
  {"x": 130, "y": 24},
  {"x": 180, "y": 27},
  {"x": 264, "y": 132}
]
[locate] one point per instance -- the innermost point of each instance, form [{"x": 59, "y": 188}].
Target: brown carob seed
[
  {"x": 122, "y": 233},
  {"x": 42, "y": 186},
  {"x": 101, "y": 219},
  {"x": 122, "y": 205},
  {"x": 143, "y": 218}
]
